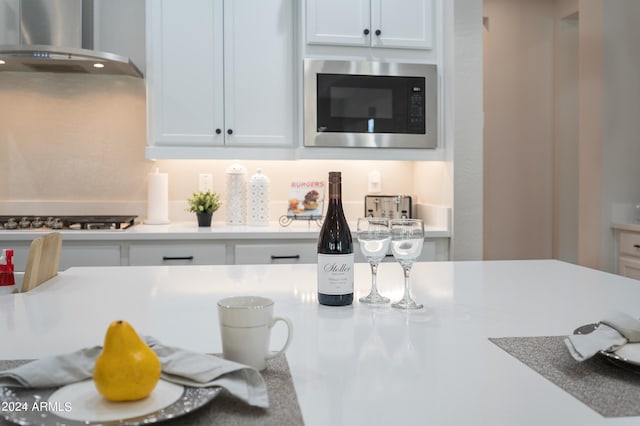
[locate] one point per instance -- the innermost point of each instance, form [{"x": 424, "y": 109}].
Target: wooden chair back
[{"x": 43, "y": 260}]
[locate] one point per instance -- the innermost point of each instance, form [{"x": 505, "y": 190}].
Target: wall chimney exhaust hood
[{"x": 57, "y": 36}]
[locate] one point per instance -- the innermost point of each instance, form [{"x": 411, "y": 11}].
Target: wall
[
  {"x": 464, "y": 121},
  {"x": 620, "y": 118},
  {"x": 72, "y": 137},
  {"x": 518, "y": 129},
  {"x": 576, "y": 59},
  {"x": 566, "y": 131}
]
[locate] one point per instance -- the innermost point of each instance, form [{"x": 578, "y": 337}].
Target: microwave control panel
[{"x": 416, "y": 109}]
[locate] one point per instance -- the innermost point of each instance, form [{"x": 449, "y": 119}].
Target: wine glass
[
  {"x": 374, "y": 238},
  {"x": 407, "y": 238}
]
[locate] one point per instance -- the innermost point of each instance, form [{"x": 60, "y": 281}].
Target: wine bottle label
[{"x": 335, "y": 273}]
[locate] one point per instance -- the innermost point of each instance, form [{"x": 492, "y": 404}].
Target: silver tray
[
  {"x": 615, "y": 358},
  {"x": 16, "y": 403}
]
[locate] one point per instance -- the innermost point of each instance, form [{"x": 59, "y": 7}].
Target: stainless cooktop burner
[{"x": 19, "y": 222}]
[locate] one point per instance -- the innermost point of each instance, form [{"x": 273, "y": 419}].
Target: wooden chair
[{"x": 43, "y": 260}]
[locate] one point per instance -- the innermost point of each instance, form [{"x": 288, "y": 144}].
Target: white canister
[
  {"x": 258, "y": 209},
  {"x": 157, "y": 199},
  {"x": 236, "y": 194}
]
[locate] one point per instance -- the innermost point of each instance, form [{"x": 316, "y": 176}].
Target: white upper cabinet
[
  {"x": 259, "y": 72},
  {"x": 377, "y": 23},
  {"x": 220, "y": 75}
]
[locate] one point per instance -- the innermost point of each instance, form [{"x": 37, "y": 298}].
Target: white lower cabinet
[
  {"x": 264, "y": 253},
  {"x": 432, "y": 250},
  {"x": 95, "y": 253},
  {"x": 177, "y": 253},
  {"x": 216, "y": 252},
  {"x": 629, "y": 254},
  {"x": 629, "y": 267},
  {"x": 74, "y": 253}
]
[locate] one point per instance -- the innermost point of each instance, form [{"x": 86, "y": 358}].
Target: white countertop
[
  {"x": 354, "y": 365},
  {"x": 635, "y": 227},
  {"x": 191, "y": 231}
]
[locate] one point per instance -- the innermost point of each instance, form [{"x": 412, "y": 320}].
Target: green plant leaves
[{"x": 204, "y": 202}]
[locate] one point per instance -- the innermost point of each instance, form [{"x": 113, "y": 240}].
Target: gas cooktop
[{"x": 19, "y": 222}]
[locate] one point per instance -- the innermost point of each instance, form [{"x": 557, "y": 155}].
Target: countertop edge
[{"x": 626, "y": 226}]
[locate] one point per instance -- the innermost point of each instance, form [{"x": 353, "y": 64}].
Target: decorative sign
[{"x": 305, "y": 200}]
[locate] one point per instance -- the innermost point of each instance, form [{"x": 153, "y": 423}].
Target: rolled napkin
[
  {"x": 178, "y": 366},
  {"x": 611, "y": 334}
]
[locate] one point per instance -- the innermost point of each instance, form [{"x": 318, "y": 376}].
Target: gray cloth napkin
[
  {"x": 178, "y": 366},
  {"x": 611, "y": 334}
]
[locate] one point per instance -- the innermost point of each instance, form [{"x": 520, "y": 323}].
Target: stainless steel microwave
[{"x": 366, "y": 104}]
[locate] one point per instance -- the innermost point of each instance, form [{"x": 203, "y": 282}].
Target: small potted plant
[{"x": 203, "y": 204}]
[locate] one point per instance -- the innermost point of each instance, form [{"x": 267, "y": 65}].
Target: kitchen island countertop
[{"x": 356, "y": 365}]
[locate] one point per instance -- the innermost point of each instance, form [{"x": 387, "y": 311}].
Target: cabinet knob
[
  {"x": 366, "y": 31},
  {"x": 378, "y": 32},
  {"x": 218, "y": 131},
  {"x": 229, "y": 132},
  {"x": 636, "y": 246}
]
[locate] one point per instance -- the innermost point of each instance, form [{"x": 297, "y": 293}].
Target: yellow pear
[{"x": 126, "y": 369}]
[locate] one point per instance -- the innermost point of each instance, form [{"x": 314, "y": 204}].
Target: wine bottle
[{"x": 335, "y": 251}]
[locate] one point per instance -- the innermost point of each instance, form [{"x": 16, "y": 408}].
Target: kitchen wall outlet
[
  {"x": 374, "y": 182},
  {"x": 205, "y": 182}
]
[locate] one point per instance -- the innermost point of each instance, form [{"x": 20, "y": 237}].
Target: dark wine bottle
[{"x": 335, "y": 251}]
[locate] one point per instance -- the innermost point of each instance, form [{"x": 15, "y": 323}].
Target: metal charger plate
[
  {"x": 611, "y": 356},
  {"x": 16, "y": 406}
]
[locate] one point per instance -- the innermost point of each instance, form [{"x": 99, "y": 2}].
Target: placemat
[
  {"x": 226, "y": 410},
  {"x": 610, "y": 389}
]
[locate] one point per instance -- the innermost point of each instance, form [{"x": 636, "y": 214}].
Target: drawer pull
[
  {"x": 168, "y": 258},
  {"x": 636, "y": 246},
  {"x": 293, "y": 256}
]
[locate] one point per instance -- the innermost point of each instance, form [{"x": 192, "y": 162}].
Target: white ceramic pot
[
  {"x": 258, "y": 200},
  {"x": 236, "y": 194}
]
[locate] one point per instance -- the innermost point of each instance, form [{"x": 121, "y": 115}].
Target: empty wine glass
[
  {"x": 407, "y": 238},
  {"x": 374, "y": 238}
]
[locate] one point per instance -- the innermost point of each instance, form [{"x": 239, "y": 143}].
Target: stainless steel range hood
[{"x": 57, "y": 36}]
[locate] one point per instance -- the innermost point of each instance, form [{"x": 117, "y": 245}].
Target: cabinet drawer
[
  {"x": 630, "y": 243},
  {"x": 247, "y": 254},
  {"x": 432, "y": 250},
  {"x": 169, "y": 253},
  {"x": 629, "y": 267},
  {"x": 74, "y": 253}
]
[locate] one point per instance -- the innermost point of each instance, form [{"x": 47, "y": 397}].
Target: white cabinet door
[
  {"x": 402, "y": 23},
  {"x": 378, "y": 23},
  {"x": 184, "y": 72},
  {"x": 629, "y": 267},
  {"x": 177, "y": 253},
  {"x": 220, "y": 74},
  {"x": 259, "y": 72},
  {"x": 90, "y": 253},
  {"x": 75, "y": 253},
  {"x": 289, "y": 252},
  {"x": 339, "y": 22}
]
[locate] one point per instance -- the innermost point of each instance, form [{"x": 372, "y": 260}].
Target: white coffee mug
[{"x": 245, "y": 328}]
